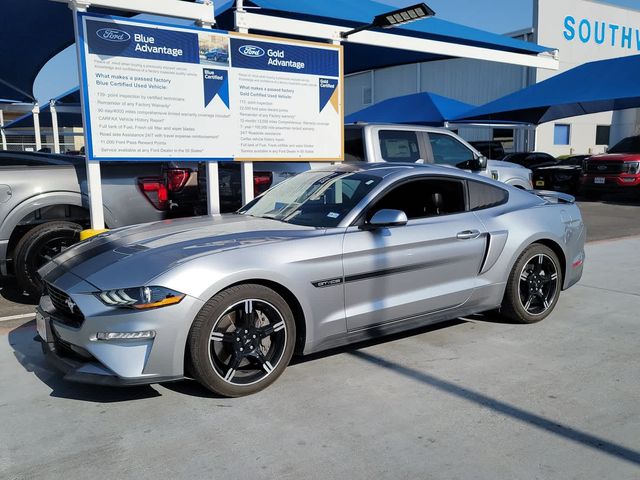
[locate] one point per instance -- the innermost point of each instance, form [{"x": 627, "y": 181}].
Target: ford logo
[
  {"x": 602, "y": 167},
  {"x": 113, "y": 35},
  {"x": 251, "y": 51}
]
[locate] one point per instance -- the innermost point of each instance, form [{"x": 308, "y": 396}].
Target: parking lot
[{"x": 474, "y": 398}]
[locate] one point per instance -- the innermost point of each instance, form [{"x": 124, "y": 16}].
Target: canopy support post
[
  {"x": 36, "y": 125},
  {"x": 4, "y": 137},
  {"x": 54, "y": 126},
  {"x": 213, "y": 172}
]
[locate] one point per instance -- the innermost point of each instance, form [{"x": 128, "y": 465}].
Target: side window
[
  {"x": 483, "y": 195},
  {"x": 425, "y": 198},
  {"x": 353, "y": 145},
  {"x": 447, "y": 150},
  {"x": 399, "y": 146}
]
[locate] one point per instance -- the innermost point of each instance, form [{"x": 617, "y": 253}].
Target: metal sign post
[
  {"x": 94, "y": 179},
  {"x": 246, "y": 168}
]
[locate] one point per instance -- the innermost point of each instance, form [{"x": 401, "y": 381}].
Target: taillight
[
  {"x": 177, "y": 178},
  {"x": 261, "y": 182},
  {"x": 156, "y": 191}
]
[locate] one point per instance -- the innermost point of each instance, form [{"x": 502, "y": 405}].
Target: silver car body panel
[{"x": 350, "y": 284}]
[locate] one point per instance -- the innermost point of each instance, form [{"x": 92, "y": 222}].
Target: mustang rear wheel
[
  {"x": 242, "y": 340},
  {"x": 534, "y": 285}
]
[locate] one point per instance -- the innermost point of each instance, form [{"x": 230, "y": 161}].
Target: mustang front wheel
[
  {"x": 534, "y": 285},
  {"x": 242, "y": 340}
]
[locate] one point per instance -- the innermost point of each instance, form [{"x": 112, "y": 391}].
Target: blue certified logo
[
  {"x": 251, "y": 51},
  {"x": 113, "y": 35}
]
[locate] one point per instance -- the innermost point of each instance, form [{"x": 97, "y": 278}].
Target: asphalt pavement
[{"x": 473, "y": 398}]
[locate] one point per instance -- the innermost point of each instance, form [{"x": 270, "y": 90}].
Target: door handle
[{"x": 468, "y": 234}]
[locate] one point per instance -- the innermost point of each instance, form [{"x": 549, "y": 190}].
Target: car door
[{"x": 429, "y": 264}]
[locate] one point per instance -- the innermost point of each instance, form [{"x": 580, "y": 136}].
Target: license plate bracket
[{"x": 41, "y": 326}]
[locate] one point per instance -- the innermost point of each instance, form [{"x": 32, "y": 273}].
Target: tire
[
  {"x": 241, "y": 340},
  {"x": 39, "y": 245},
  {"x": 534, "y": 285}
]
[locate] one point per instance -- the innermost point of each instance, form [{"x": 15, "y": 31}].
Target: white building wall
[{"x": 570, "y": 26}]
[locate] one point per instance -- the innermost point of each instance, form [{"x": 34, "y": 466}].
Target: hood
[
  {"x": 620, "y": 157},
  {"x": 568, "y": 168},
  {"x": 132, "y": 256},
  {"x": 503, "y": 164}
]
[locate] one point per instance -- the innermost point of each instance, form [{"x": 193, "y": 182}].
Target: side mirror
[
  {"x": 479, "y": 163},
  {"x": 476, "y": 164},
  {"x": 387, "y": 218}
]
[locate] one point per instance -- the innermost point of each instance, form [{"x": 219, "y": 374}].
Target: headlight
[
  {"x": 632, "y": 167},
  {"x": 140, "y": 298}
]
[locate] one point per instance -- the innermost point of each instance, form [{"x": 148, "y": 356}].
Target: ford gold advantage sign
[{"x": 157, "y": 92}]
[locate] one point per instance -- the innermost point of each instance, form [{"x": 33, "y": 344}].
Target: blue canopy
[
  {"x": 65, "y": 119},
  {"x": 600, "y": 86},
  {"x": 358, "y": 57},
  {"x": 356, "y": 13},
  {"x": 33, "y": 31},
  {"x": 419, "y": 108}
]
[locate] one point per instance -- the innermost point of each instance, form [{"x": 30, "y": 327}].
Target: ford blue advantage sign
[
  {"x": 276, "y": 57},
  {"x": 163, "y": 92}
]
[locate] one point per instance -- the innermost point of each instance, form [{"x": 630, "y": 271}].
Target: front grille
[
  {"x": 63, "y": 305},
  {"x": 604, "y": 168}
]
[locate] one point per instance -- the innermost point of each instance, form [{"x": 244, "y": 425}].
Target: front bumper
[
  {"x": 609, "y": 182},
  {"x": 75, "y": 351}
]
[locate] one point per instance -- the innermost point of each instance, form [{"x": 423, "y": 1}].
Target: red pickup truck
[{"x": 617, "y": 170}]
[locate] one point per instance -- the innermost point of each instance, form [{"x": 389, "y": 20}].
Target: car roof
[{"x": 385, "y": 169}]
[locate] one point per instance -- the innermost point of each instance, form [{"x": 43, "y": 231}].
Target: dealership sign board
[{"x": 160, "y": 92}]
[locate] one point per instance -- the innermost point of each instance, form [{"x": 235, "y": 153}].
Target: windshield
[
  {"x": 317, "y": 198},
  {"x": 628, "y": 145}
]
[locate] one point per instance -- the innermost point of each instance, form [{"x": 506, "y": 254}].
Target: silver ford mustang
[{"x": 329, "y": 257}]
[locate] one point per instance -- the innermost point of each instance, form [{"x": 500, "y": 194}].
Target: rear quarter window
[{"x": 482, "y": 195}]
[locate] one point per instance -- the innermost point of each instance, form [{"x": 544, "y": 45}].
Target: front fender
[{"x": 49, "y": 199}]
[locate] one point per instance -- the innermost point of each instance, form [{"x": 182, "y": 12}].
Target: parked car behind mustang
[
  {"x": 564, "y": 176},
  {"x": 530, "y": 160},
  {"x": 618, "y": 170}
]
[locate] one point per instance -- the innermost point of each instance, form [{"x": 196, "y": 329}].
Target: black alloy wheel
[
  {"x": 538, "y": 284},
  {"x": 534, "y": 285},
  {"x": 246, "y": 341},
  {"x": 241, "y": 340}
]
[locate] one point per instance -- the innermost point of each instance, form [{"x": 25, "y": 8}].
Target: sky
[{"x": 499, "y": 16}]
